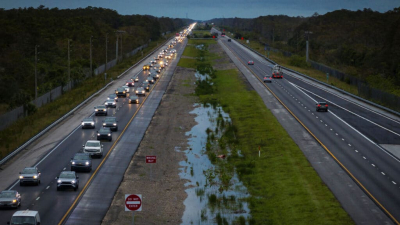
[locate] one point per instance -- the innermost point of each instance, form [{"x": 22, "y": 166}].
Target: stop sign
[{"x": 133, "y": 202}]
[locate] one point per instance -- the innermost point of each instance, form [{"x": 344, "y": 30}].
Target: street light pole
[
  {"x": 36, "y": 59},
  {"x": 116, "y": 33},
  {"x": 91, "y": 69},
  {"x": 69, "y": 68},
  {"x": 106, "y": 51},
  {"x": 307, "y": 36}
]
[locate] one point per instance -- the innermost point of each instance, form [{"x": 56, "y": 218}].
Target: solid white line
[
  {"x": 383, "y": 173},
  {"x": 350, "y": 145},
  {"x": 364, "y": 157},
  {"x": 37, "y": 198},
  {"x": 393, "y": 182},
  {"x": 48, "y": 187},
  {"x": 356, "y": 150},
  {"x": 373, "y": 165}
]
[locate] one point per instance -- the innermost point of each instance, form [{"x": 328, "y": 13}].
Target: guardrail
[
  {"x": 34, "y": 138},
  {"x": 325, "y": 84}
]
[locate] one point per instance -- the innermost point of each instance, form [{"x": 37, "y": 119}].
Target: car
[
  {"x": 133, "y": 99},
  {"x": 112, "y": 96},
  {"x": 29, "y": 175},
  {"x": 120, "y": 92},
  {"x": 88, "y": 123},
  {"x": 267, "y": 79},
  {"x": 111, "y": 122},
  {"x": 100, "y": 110},
  {"x": 127, "y": 89},
  {"x": 154, "y": 75},
  {"x": 110, "y": 103},
  {"x": 10, "y": 199},
  {"x": 25, "y": 217},
  {"x": 146, "y": 67},
  {"x": 81, "y": 161},
  {"x": 140, "y": 91},
  {"x": 67, "y": 179},
  {"x": 322, "y": 106},
  {"x": 93, "y": 148},
  {"x": 277, "y": 72},
  {"x": 229, "y": 40},
  {"x": 250, "y": 62},
  {"x": 135, "y": 78},
  {"x": 130, "y": 83},
  {"x": 105, "y": 132},
  {"x": 150, "y": 79},
  {"x": 146, "y": 85}
]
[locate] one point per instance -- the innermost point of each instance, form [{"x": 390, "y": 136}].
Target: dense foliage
[
  {"x": 24, "y": 28},
  {"x": 361, "y": 43}
]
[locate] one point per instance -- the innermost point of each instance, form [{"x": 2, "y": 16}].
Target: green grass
[
  {"x": 284, "y": 187},
  {"x": 187, "y": 63},
  {"x": 25, "y": 128}
]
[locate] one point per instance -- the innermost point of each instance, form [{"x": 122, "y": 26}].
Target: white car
[
  {"x": 94, "y": 148},
  {"x": 126, "y": 88}
]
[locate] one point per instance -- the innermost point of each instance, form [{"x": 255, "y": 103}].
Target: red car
[
  {"x": 267, "y": 79},
  {"x": 130, "y": 83},
  {"x": 250, "y": 62}
]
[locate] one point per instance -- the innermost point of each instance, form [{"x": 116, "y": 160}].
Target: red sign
[
  {"x": 133, "y": 202},
  {"x": 151, "y": 159}
]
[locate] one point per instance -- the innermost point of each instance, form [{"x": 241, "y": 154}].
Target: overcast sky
[{"x": 209, "y": 9}]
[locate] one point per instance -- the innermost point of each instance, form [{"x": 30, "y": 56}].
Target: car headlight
[
  {"x": 98, "y": 134},
  {"x": 59, "y": 181},
  {"x": 73, "y": 163},
  {"x": 137, "y": 100},
  {"x": 105, "y": 110},
  {"x": 114, "y": 124},
  {"x": 87, "y": 163},
  {"x": 105, "y": 103},
  {"x": 137, "y": 92},
  {"x": 14, "y": 201},
  {"x": 83, "y": 124},
  {"x": 21, "y": 177},
  {"x": 104, "y": 124},
  {"x": 73, "y": 182},
  {"x": 109, "y": 134},
  {"x": 142, "y": 91},
  {"x": 113, "y": 103},
  {"x": 92, "y": 123},
  {"x": 96, "y": 110},
  {"x": 127, "y": 84},
  {"x": 34, "y": 177}
]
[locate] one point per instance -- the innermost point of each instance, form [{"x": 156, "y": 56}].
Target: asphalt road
[
  {"x": 53, "y": 205},
  {"x": 351, "y": 132}
]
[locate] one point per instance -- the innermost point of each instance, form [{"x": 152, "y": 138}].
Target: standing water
[{"x": 210, "y": 201}]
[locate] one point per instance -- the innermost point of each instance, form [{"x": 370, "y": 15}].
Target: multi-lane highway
[
  {"x": 351, "y": 132},
  {"x": 55, "y": 206}
]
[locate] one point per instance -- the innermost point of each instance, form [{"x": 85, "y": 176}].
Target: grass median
[
  {"x": 25, "y": 128},
  {"x": 284, "y": 187}
]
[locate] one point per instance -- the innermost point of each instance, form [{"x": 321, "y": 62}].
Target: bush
[{"x": 298, "y": 61}]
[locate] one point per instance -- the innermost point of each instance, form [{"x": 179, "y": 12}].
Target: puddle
[{"x": 214, "y": 197}]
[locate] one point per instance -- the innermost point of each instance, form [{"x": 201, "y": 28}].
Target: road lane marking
[
  {"x": 37, "y": 198},
  {"x": 47, "y": 187}
]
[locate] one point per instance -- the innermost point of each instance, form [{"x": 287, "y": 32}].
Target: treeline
[
  {"x": 361, "y": 43},
  {"x": 49, "y": 29}
]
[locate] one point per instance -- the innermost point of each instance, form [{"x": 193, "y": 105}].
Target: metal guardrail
[
  {"x": 34, "y": 138},
  {"x": 325, "y": 84}
]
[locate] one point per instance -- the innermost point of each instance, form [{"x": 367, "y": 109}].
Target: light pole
[
  {"x": 307, "y": 33},
  {"x": 36, "y": 59},
  {"x": 69, "y": 68},
  {"x": 118, "y": 32},
  {"x": 106, "y": 51},
  {"x": 91, "y": 69}
]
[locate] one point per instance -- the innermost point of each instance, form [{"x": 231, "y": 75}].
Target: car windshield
[
  {"x": 29, "y": 170},
  {"x": 104, "y": 130},
  {"x": 23, "y": 220},
  {"x": 88, "y": 120},
  {"x": 81, "y": 157},
  {"x": 322, "y": 103},
  {"x": 112, "y": 96},
  {"x": 92, "y": 144},
  {"x": 101, "y": 107},
  {"x": 133, "y": 97},
  {"x": 67, "y": 175},
  {"x": 7, "y": 194},
  {"x": 110, "y": 101},
  {"x": 120, "y": 89}
]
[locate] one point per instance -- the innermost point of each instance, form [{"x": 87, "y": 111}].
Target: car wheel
[
  {"x": 58, "y": 188},
  {"x": 20, "y": 183},
  {"x": 75, "y": 189}
]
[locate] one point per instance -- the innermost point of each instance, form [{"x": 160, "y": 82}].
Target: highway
[
  {"x": 351, "y": 133},
  {"x": 54, "y": 206}
]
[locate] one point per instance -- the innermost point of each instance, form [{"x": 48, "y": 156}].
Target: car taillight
[
  {"x": 326, "y": 105},
  {"x": 319, "y": 105}
]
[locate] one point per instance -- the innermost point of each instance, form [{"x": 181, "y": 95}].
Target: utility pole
[
  {"x": 91, "y": 68},
  {"x": 116, "y": 47},
  {"x": 106, "y": 52},
  {"x": 307, "y": 36},
  {"x": 119, "y": 32},
  {"x": 69, "y": 68},
  {"x": 36, "y": 59}
]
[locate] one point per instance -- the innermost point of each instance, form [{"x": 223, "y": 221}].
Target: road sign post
[
  {"x": 133, "y": 203},
  {"x": 151, "y": 159}
]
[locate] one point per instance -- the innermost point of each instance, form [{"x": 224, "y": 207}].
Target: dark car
[
  {"x": 81, "y": 161},
  {"x": 100, "y": 110},
  {"x": 135, "y": 78},
  {"x": 133, "y": 99},
  {"x": 146, "y": 67},
  {"x": 322, "y": 106},
  {"x": 146, "y": 85},
  {"x": 29, "y": 175},
  {"x": 112, "y": 96},
  {"x": 104, "y": 133},
  {"x": 111, "y": 122},
  {"x": 267, "y": 79},
  {"x": 120, "y": 92},
  {"x": 130, "y": 83},
  {"x": 67, "y": 179},
  {"x": 10, "y": 199},
  {"x": 140, "y": 91},
  {"x": 110, "y": 103},
  {"x": 88, "y": 123},
  {"x": 250, "y": 62},
  {"x": 150, "y": 79}
]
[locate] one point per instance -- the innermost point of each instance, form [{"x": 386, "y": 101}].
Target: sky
[{"x": 209, "y": 9}]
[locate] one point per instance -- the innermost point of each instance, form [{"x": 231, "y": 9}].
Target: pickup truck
[{"x": 94, "y": 148}]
